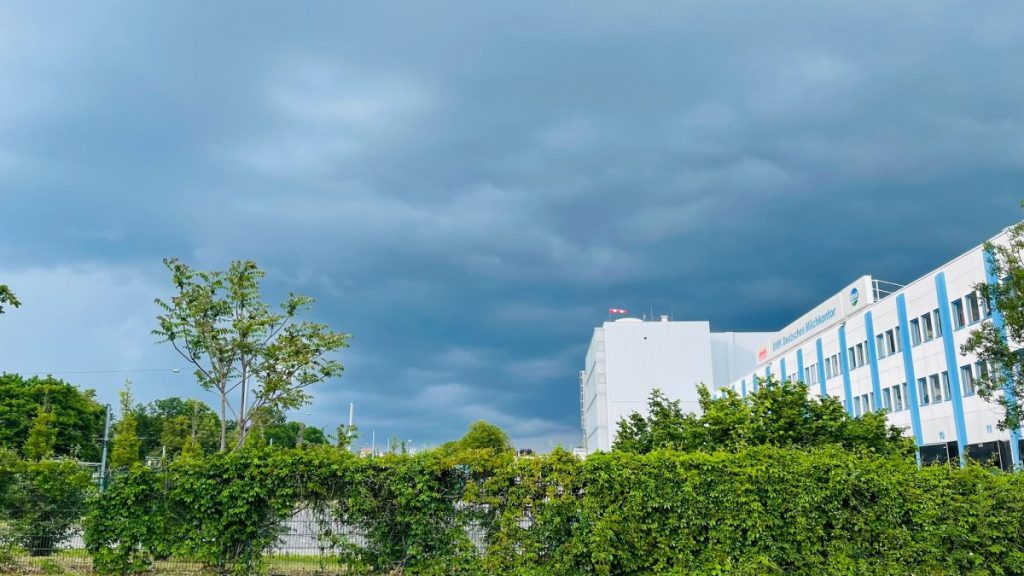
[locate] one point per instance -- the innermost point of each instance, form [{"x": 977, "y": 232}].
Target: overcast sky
[{"x": 467, "y": 187}]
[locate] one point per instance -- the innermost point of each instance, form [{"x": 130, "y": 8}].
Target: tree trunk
[
  {"x": 223, "y": 423},
  {"x": 242, "y": 413}
]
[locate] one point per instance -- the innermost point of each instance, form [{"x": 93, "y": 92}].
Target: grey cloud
[{"x": 468, "y": 187}]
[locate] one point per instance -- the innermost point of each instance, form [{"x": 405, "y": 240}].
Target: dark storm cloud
[{"x": 466, "y": 187}]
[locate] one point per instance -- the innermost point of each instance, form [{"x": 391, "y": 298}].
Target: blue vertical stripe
[
  {"x": 908, "y": 370},
  {"x": 821, "y": 368},
  {"x": 768, "y": 371},
  {"x": 876, "y": 387},
  {"x": 782, "y": 370},
  {"x": 800, "y": 365},
  {"x": 951, "y": 364},
  {"x": 844, "y": 362},
  {"x": 743, "y": 388},
  {"x": 999, "y": 323}
]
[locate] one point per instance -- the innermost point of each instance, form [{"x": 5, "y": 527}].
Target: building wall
[
  {"x": 629, "y": 358},
  {"x": 884, "y": 381}
]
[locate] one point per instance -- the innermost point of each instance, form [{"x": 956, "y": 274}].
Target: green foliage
[
  {"x": 171, "y": 423},
  {"x": 77, "y": 416},
  {"x": 773, "y": 511},
  {"x": 778, "y": 414},
  {"x": 760, "y": 510},
  {"x": 127, "y": 528},
  {"x": 42, "y": 437},
  {"x": 346, "y": 436},
  {"x": 218, "y": 322},
  {"x": 1004, "y": 384},
  {"x": 547, "y": 492},
  {"x": 407, "y": 509},
  {"x": 41, "y": 501},
  {"x": 7, "y": 297},
  {"x": 126, "y": 446},
  {"x": 482, "y": 436}
]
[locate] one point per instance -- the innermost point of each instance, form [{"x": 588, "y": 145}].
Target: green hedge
[{"x": 758, "y": 511}]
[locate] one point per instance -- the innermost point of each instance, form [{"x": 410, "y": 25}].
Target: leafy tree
[
  {"x": 77, "y": 416},
  {"x": 253, "y": 358},
  {"x": 778, "y": 413},
  {"x": 126, "y": 445},
  {"x": 482, "y": 436},
  {"x": 168, "y": 423},
  {"x": 1001, "y": 347},
  {"x": 277, "y": 431},
  {"x": 7, "y": 297},
  {"x": 42, "y": 437},
  {"x": 346, "y": 436}
]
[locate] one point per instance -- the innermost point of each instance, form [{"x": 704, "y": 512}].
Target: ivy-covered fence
[{"x": 758, "y": 511}]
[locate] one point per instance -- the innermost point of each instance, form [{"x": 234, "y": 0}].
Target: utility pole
[{"x": 103, "y": 458}]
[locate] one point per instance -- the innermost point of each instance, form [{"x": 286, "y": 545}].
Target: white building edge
[
  {"x": 628, "y": 358},
  {"x": 874, "y": 346}
]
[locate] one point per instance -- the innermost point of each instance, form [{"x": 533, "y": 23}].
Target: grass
[{"x": 75, "y": 562}]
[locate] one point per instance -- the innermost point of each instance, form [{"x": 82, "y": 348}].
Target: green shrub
[
  {"x": 43, "y": 502},
  {"x": 764, "y": 510}
]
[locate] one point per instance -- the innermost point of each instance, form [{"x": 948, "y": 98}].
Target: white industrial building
[
  {"x": 629, "y": 357},
  {"x": 873, "y": 345}
]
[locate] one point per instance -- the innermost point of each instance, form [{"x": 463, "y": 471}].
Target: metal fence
[{"x": 52, "y": 543}]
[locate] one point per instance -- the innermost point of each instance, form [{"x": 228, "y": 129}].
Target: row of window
[
  {"x": 832, "y": 367},
  {"x": 968, "y": 310},
  {"x": 931, "y": 390},
  {"x": 969, "y": 376},
  {"x": 888, "y": 343},
  {"x": 926, "y": 328},
  {"x": 863, "y": 404},
  {"x": 894, "y": 398},
  {"x": 811, "y": 375},
  {"x": 858, "y": 355}
]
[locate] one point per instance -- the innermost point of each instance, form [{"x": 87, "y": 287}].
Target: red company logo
[{"x": 762, "y": 354}]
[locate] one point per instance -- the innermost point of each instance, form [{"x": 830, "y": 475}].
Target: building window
[
  {"x": 946, "y": 392},
  {"x": 828, "y": 368},
  {"x": 973, "y": 307},
  {"x": 880, "y": 346},
  {"x": 982, "y": 369},
  {"x": 967, "y": 380},
  {"x": 915, "y": 331},
  {"x": 869, "y": 401},
  {"x": 898, "y": 343},
  {"x": 856, "y": 407},
  {"x": 897, "y": 398},
  {"x": 853, "y": 358},
  {"x": 835, "y": 365},
  {"x": 936, "y": 388},
  {"x": 929, "y": 327},
  {"x": 860, "y": 354},
  {"x": 922, "y": 391},
  {"x": 958, "y": 314},
  {"x": 986, "y": 311},
  {"x": 887, "y": 399},
  {"x": 938, "y": 323},
  {"x": 906, "y": 397},
  {"x": 892, "y": 339}
]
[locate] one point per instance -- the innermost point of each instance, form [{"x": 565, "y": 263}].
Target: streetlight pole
[{"x": 103, "y": 458}]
